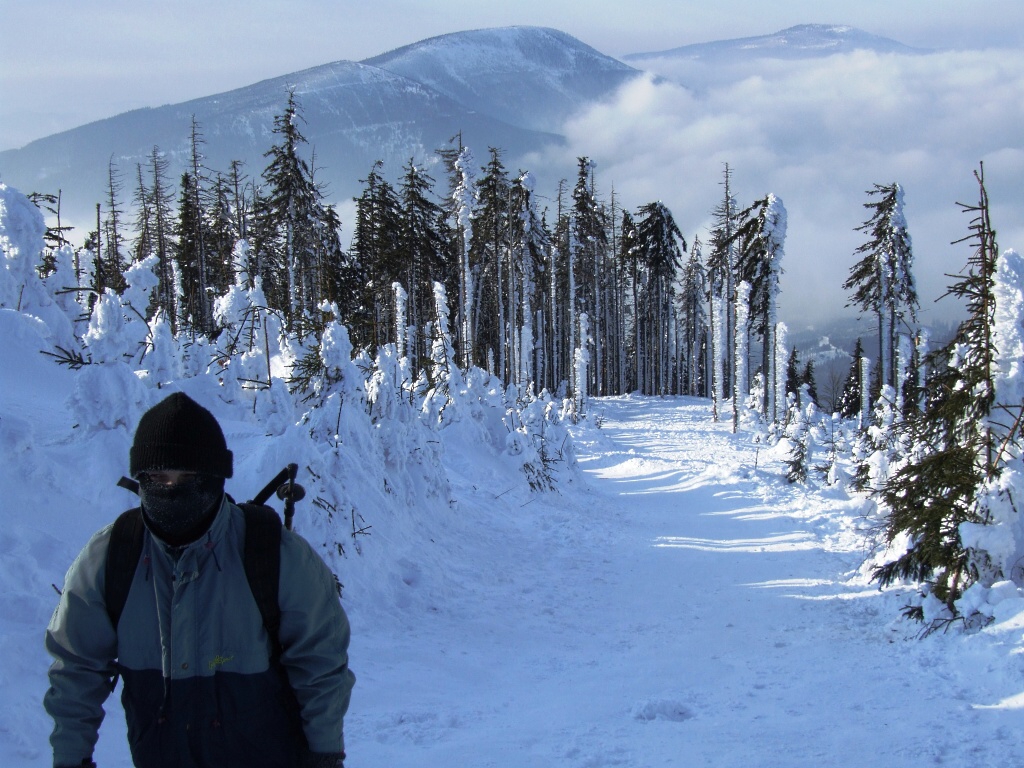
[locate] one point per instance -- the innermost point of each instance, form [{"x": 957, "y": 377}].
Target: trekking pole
[
  {"x": 270, "y": 488},
  {"x": 290, "y": 492}
]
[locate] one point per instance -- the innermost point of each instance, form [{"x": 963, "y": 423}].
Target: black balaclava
[
  {"x": 181, "y": 513},
  {"x": 179, "y": 434}
]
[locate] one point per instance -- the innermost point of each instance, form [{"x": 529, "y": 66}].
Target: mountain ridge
[
  {"x": 490, "y": 67},
  {"x": 796, "y": 42},
  {"x": 355, "y": 113}
]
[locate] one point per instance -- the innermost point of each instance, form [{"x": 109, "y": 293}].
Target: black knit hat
[{"x": 178, "y": 433}]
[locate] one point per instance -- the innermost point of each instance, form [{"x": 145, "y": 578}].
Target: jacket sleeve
[
  {"x": 314, "y": 638},
  {"x": 83, "y": 644}
]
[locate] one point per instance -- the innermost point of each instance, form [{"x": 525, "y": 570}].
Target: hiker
[{"x": 205, "y": 683}]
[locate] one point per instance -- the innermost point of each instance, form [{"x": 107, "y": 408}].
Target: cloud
[{"x": 819, "y": 133}]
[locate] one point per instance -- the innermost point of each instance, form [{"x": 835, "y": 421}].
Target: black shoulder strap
[
  {"x": 263, "y": 565},
  {"x": 123, "y": 552}
]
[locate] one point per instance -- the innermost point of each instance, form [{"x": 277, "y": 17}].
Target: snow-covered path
[{"x": 688, "y": 610}]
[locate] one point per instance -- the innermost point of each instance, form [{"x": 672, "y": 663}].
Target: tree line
[{"x": 573, "y": 293}]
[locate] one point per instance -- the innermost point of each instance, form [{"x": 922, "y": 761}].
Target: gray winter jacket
[{"x": 200, "y": 689}]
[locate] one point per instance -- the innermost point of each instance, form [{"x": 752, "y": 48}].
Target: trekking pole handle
[
  {"x": 271, "y": 487},
  {"x": 289, "y": 491}
]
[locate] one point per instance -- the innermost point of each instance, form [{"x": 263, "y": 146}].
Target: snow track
[{"x": 687, "y": 609}]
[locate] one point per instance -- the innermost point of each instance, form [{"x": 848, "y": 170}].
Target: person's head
[{"x": 180, "y": 459}]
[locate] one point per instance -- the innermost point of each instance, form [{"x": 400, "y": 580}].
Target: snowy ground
[
  {"x": 681, "y": 604},
  {"x": 686, "y": 609}
]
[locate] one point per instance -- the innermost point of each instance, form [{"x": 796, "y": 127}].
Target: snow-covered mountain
[
  {"x": 803, "y": 41},
  {"x": 507, "y": 88},
  {"x": 526, "y": 76}
]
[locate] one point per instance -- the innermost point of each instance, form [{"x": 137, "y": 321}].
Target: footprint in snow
[{"x": 662, "y": 709}]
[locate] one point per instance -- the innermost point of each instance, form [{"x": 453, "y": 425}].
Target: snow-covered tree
[
  {"x": 374, "y": 260},
  {"x": 957, "y": 447},
  {"x": 722, "y": 279},
  {"x": 693, "y": 322},
  {"x": 659, "y": 246},
  {"x": 741, "y": 385},
  {"x": 882, "y": 282},
  {"x": 849, "y": 405},
  {"x": 297, "y": 226},
  {"x": 760, "y": 238}
]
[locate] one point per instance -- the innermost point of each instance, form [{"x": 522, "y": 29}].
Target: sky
[{"x": 65, "y": 62}]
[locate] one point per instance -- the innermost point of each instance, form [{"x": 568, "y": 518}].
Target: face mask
[{"x": 182, "y": 512}]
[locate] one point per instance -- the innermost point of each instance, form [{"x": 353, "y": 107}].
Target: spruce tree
[
  {"x": 55, "y": 236},
  {"x": 588, "y": 250},
  {"x": 374, "y": 260},
  {"x": 660, "y": 245},
  {"x": 187, "y": 252},
  {"x": 722, "y": 279},
  {"x": 422, "y": 254},
  {"x": 530, "y": 246},
  {"x": 793, "y": 374},
  {"x": 954, "y": 451},
  {"x": 629, "y": 259},
  {"x": 222, "y": 234},
  {"x": 201, "y": 290},
  {"x": 759, "y": 239},
  {"x": 693, "y": 319},
  {"x": 807, "y": 380},
  {"x": 161, "y": 237},
  {"x": 292, "y": 214},
  {"x": 111, "y": 266},
  {"x": 143, "y": 246},
  {"x": 850, "y": 400},
  {"x": 489, "y": 248},
  {"x": 882, "y": 282}
]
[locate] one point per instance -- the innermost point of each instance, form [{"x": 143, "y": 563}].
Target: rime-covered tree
[
  {"x": 530, "y": 244},
  {"x": 850, "y": 400},
  {"x": 188, "y": 250},
  {"x": 955, "y": 450},
  {"x": 374, "y": 259},
  {"x": 882, "y": 282},
  {"x": 722, "y": 278},
  {"x": 422, "y": 249},
  {"x": 660, "y": 245},
  {"x": 628, "y": 258},
  {"x": 489, "y": 249},
  {"x": 161, "y": 236},
  {"x": 458, "y": 207},
  {"x": 222, "y": 234},
  {"x": 807, "y": 380},
  {"x": 759, "y": 239},
  {"x": 293, "y": 212},
  {"x": 793, "y": 374},
  {"x": 588, "y": 251},
  {"x": 693, "y": 321}
]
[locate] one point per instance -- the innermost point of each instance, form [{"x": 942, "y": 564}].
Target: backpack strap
[
  {"x": 263, "y": 566},
  {"x": 123, "y": 552}
]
